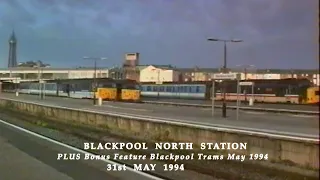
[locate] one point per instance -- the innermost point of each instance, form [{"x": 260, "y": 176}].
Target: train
[
  {"x": 105, "y": 88},
  {"x": 294, "y": 91}
]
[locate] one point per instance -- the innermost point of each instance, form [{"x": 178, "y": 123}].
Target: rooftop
[{"x": 262, "y": 71}]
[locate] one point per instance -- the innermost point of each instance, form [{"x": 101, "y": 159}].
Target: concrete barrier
[
  {"x": 271, "y": 110},
  {"x": 300, "y": 152},
  {"x": 315, "y": 113}
]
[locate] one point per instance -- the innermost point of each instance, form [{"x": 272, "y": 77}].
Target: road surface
[
  {"x": 281, "y": 123},
  {"x": 24, "y": 156},
  {"x": 258, "y": 105}
]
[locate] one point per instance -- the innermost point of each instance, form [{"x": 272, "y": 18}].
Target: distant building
[
  {"x": 12, "y": 59},
  {"x": 130, "y": 64},
  {"x": 159, "y": 74},
  {"x": 131, "y": 60},
  {"x": 30, "y": 73},
  {"x": 206, "y": 74}
]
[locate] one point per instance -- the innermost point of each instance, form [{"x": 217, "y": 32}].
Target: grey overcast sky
[{"x": 276, "y": 33}]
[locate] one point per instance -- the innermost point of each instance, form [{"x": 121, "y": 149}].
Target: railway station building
[
  {"x": 30, "y": 73},
  {"x": 206, "y": 74}
]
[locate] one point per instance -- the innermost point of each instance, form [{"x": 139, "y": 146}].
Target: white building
[
  {"x": 52, "y": 73},
  {"x": 159, "y": 74}
]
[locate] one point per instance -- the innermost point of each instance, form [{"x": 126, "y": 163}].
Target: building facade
[
  {"x": 206, "y": 74},
  {"x": 158, "y": 74}
]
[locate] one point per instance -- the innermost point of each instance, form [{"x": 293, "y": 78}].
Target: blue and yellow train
[{"x": 107, "y": 89}]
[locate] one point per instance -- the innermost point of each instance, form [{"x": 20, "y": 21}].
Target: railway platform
[{"x": 260, "y": 121}]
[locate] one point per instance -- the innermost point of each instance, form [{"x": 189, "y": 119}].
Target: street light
[
  {"x": 95, "y": 74},
  {"x": 225, "y": 41}
]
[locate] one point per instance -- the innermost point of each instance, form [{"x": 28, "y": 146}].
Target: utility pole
[
  {"x": 94, "y": 87},
  {"x": 224, "y": 104}
]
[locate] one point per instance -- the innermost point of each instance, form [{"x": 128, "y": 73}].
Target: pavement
[
  {"x": 243, "y": 104},
  {"x": 297, "y": 125},
  {"x": 24, "y": 156}
]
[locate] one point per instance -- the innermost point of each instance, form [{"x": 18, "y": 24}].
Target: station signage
[
  {"x": 246, "y": 83},
  {"x": 226, "y": 76}
]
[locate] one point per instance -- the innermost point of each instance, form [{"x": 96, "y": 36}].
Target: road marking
[
  {"x": 76, "y": 149},
  {"x": 304, "y": 116},
  {"x": 125, "y": 108}
]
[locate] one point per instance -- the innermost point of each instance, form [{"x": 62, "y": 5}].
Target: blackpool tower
[{"x": 12, "y": 60}]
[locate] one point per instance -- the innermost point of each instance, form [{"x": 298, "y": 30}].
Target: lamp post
[
  {"x": 225, "y": 41},
  {"x": 39, "y": 79},
  {"x": 95, "y": 74}
]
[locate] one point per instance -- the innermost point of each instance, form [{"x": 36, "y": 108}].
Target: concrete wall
[{"x": 299, "y": 153}]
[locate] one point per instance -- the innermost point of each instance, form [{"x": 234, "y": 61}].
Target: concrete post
[
  {"x": 251, "y": 101},
  {"x": 99, "y": 101}
]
